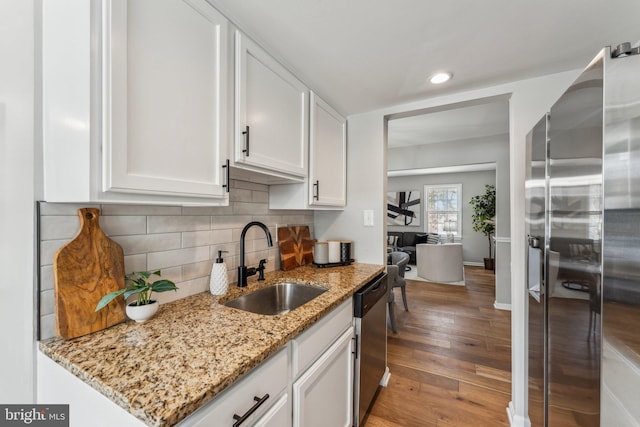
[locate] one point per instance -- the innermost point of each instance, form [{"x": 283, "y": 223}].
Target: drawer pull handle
[
  {"x": 316, "y": 186},
  {"x": 259, "y": 401}
]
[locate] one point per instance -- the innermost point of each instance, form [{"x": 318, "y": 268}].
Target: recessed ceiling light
[{"x": 439, "y": 78}]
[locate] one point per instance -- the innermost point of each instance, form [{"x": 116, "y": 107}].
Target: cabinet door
[
  {"x": 328, "y": 159},
  {"x": 323, "y": 395},
  {"x": 279, "y": 415},
  {"x": 163, "y": 87},
  {"x": 271, "y": 113}
]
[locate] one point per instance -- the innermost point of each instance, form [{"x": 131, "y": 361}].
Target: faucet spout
[{"x": 243, "y": 271}]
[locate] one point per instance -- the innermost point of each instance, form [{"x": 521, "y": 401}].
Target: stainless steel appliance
[
  {"x": 589, "y": 305},
  {"x": 621, "y": 244},
  {"x": 574, "y": 166},
  {"x": 370, "y": 314},
  {"x": 535, "y": 208}
]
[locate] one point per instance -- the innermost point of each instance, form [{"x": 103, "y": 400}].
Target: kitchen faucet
[{"x": 243, "y": 271}]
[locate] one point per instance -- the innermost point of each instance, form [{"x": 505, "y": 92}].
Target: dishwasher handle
[{"x": 367, "y": 296}]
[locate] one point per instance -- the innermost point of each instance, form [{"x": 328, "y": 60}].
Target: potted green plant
[
  {"x": 483, "y": 218},
  {"x": 138, "y": 283}
]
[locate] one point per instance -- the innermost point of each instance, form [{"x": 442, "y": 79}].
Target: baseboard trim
[
  {"x": 474, "y": 264},
  {"x": 512, "y": 422},
  {"x": 501, "y": 306},
  {"x": 517, "y": 420},
  {"x": 385, "y": 378}
]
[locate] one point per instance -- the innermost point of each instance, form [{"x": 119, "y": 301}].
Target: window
[{"x": 443, "y": 209}]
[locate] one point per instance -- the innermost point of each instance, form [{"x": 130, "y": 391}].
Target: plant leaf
[
  {"x": 108, "y": 298},
  {"x": 163, "y": 286}
]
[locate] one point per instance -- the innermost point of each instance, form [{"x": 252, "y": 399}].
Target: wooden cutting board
[
  {"x": 296, "y": 246},
  {"x": 85, "y": 269}
]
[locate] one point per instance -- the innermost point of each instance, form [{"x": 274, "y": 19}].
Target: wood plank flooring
[{"x": 450, "y": 361}]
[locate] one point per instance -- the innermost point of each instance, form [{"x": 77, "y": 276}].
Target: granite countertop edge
[{"x": 174, "y": 385}]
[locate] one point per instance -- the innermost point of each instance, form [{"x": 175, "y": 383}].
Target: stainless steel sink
[{"x": 276, "y": 299}]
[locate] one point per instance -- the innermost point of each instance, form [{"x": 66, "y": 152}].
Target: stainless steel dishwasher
[{"x": 370, "y": 314}]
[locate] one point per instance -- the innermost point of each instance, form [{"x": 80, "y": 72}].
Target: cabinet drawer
[
  {"x": 270, "y": 378},
  {"x": 308, "y": 346}
]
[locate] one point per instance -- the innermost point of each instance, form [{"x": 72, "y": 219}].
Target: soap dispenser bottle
[{"x": 219, "y": 282}]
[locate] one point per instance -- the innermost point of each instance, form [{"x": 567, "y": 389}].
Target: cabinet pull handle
[
  {"x": 246, "y": 141},
  {"x": 316, "y": 193},
  {"x": 240, "y": 419},
  {"x": 226, "y": 166}
]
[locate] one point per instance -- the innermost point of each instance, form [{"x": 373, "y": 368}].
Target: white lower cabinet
[
  {"x": 316, "y": 340},
  {"x": 279, "y": 415},
  {"x": 307, "y": 383},
  {"x": 260, "y": 397},
  {"x": 323, "y": 395}
]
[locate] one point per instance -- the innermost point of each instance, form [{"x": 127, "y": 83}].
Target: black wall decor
[{"x": 403, "y": 208}]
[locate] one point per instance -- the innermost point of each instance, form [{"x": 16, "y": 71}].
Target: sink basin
[{"x": 276, "y": 299}]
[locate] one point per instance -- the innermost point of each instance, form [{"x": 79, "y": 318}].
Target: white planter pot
[{"x": 142, "y": 313}]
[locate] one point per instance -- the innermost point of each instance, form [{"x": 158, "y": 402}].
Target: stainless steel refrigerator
[
  {"x": 535, "y": 224},
  {"x": 589, "y": 259}
]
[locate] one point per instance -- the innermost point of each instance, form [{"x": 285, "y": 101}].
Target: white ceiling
[
  {"x": 464, "y": 123},
  {"x": 360, "y": 55}
]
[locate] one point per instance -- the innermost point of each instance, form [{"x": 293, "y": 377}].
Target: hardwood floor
[{"x": 450, "y": 361}]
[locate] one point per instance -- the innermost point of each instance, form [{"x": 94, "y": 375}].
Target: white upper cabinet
[
  {"x": 328, "y": 158},
  {"x": 149, "y": 87},
  {"x": 162, "y": 68},
  {"x": 326, "y": 187},
  {"x": 271, "y": 115}
]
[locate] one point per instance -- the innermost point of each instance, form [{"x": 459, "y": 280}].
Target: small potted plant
[{"x": 139, "y": 284}]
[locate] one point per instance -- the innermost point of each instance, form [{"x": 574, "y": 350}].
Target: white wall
[
  {"x": 475, "y": 245},
  {"x": 17, "y": 366},
  {"x": 528, "y": 101}
]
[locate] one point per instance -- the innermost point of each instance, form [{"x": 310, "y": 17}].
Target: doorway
[
  {"x": 463, "y": 144},
  {"x": 452, "y": 351}
]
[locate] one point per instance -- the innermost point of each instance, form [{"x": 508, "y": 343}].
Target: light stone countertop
[{"x": 163, "y": 370}]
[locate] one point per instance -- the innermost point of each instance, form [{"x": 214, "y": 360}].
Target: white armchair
[{"x": 441, "y": 263}]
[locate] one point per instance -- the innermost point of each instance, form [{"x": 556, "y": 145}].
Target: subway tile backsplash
[{"x": 181, "y": 241}]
